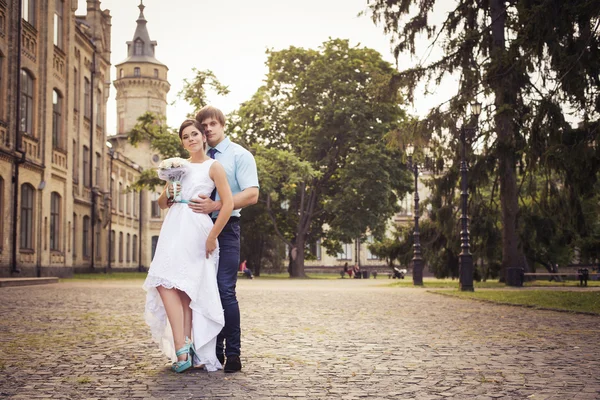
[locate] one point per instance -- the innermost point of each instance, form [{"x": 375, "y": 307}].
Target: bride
[{"x": 183, "y": 307}]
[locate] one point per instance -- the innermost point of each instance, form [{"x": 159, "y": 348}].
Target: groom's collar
[{"x": 222, "y": 146}]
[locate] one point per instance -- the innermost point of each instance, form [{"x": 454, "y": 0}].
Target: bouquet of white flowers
[{"x": 172, "y": 170}]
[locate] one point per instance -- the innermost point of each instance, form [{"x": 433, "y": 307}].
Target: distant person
[
  {"x": 356, "y": 271},
  {"x": 245, "y": 270}
]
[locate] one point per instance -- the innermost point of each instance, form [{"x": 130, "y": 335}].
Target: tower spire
[
  {"x": 141, "y": 48},
  {"x": 141, "y": 7}
]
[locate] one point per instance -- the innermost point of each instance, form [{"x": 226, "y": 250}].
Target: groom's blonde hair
[{"x": 210, "y": 112}]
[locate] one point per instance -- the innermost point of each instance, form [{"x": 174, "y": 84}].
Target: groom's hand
[{"x": 202, "y": 204}]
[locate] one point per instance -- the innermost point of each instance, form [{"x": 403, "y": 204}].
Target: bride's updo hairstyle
[{"x": 196, "y": 124}]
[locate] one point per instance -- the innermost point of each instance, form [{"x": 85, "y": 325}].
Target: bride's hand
[
  {"x": 170, "y": 189},
  {"x": 211, "y": 245}
]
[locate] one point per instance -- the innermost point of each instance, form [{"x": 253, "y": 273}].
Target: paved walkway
[{"x": 317, "y": 339}]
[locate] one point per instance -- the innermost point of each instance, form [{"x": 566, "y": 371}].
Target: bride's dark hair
[{"x": 197, "y": 125}]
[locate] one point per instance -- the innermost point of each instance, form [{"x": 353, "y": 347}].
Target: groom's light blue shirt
[{"x": 240, "y": 168}]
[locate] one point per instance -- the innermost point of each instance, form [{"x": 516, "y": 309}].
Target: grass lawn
[
  {"x": 570, "y": 283},
  {"x": 580, "y": 300},
  {"x": 432, "y": 283},
  {"x": 490, "y": 284}
]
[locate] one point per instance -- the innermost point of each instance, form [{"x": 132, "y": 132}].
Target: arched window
[
  {"x": 74, "y": 233},
  {"x": 27, "y": 198},
  {"x": 26, "y": 103},
  {"x": 156, "y": 72},
  {"x": 112, "y": 246},
  {"x": 57, "y": 111},
  {"x": 138, "y": 47},
  {"x": 86, "y": 237},
  {"x": 120, "y": 247},
  {"x": 134, "y": 249},
  {"x": 137, "y": 72},
  {"x": 128, "y": 248},
  {"x": 121, "y": 73},
  {"x": 55, "y": 221}
]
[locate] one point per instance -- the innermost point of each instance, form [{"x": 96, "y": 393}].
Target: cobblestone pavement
[{"x": 312, "y": 339}]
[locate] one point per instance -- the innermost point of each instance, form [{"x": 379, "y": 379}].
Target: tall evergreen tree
[{"x": 535, "y": 60}]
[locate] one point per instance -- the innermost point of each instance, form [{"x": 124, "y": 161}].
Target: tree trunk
[
  {"x": 297, "y": 264},
  {"x": 505, "y": 100},
  {"x": 259, "y": 258}
]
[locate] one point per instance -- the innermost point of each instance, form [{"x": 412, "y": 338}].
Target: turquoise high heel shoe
[{"x": 183, "y": 365}]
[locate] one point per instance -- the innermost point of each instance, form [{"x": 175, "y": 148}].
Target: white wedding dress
[{"x": 180, "y": 262}]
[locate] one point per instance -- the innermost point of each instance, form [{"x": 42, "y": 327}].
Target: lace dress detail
[{"x": 180, "y": 262}]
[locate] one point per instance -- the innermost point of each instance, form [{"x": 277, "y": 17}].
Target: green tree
[
  {"x": 195, "y": 91},
  {"x": 325, "y": 112},
  {"x": 533, "y": 59}
]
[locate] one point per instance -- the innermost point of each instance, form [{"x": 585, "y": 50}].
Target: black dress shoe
[
  {"x": 221, "y": 358},
  {"x": 233, "y": 364}
]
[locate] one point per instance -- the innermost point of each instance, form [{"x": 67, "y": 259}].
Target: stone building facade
[
  {"x": 65, "y": 198},
  {"x": 54, "y": 83}
]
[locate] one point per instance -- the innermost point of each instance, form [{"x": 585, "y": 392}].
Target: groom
[{"x": 242, "y": 176}]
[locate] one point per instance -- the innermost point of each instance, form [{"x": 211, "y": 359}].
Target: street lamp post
[
  {"x": 417, "y": 259},
  {"x": 111, "y": 153},
  {"x": 465, "y": 259}
]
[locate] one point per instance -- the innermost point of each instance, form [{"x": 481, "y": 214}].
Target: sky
[{"x": 230, "y": 38}]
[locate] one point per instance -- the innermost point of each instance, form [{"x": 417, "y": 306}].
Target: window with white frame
[
  {"x": 370, "y": 256},
  {"x": 346, "y": 253},
  {"x": 26, "y": 103},
  {"x": 28, "y": 11},
  {"x": 57, "y": 124},
  {"x": 58, "y": 23}
]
